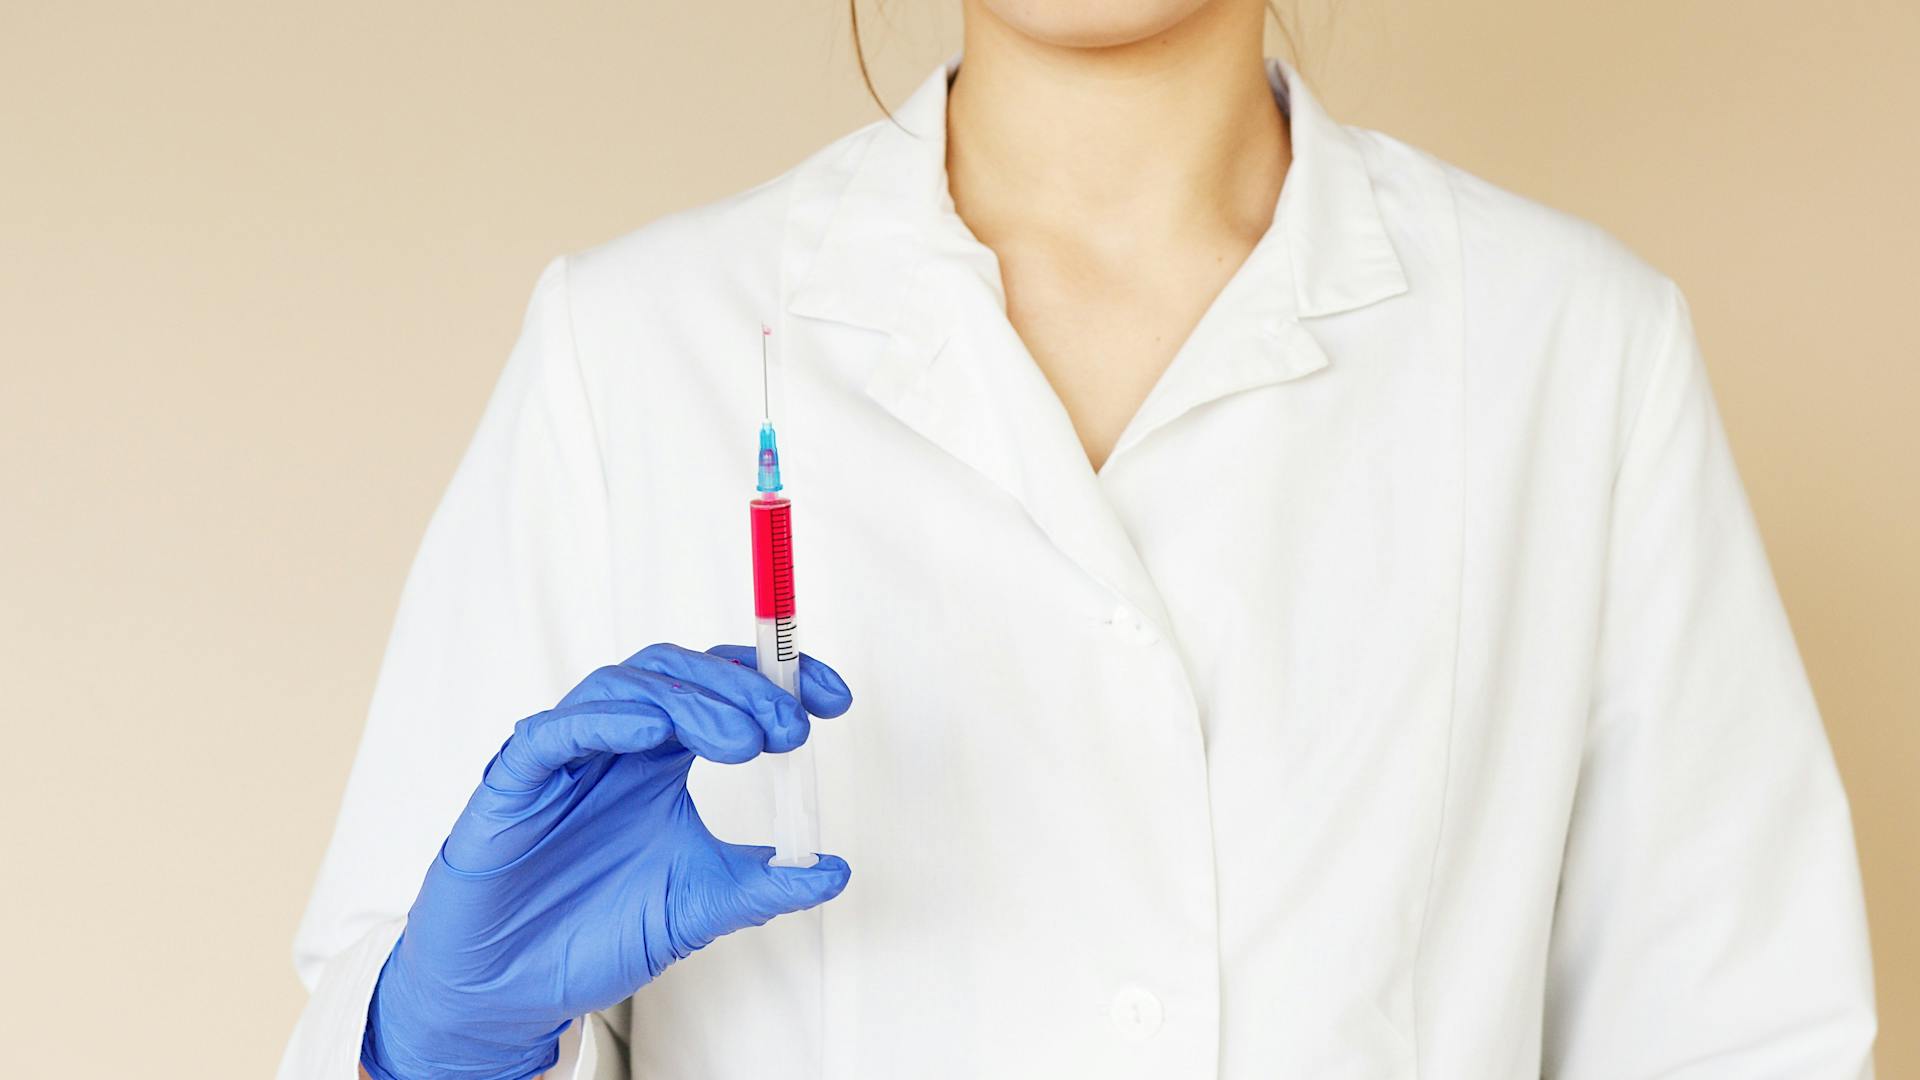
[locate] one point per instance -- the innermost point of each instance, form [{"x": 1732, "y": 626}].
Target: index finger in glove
[
  {"x": 822, "y": 690},
  {"x": 782, "y": 721},
  {"x": 547, "y": 742}
]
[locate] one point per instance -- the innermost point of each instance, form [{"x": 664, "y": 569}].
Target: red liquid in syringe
[{"x": 773, "y": 573}]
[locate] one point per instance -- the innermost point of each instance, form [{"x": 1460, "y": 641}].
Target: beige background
[{"x": 260, "y": 263}]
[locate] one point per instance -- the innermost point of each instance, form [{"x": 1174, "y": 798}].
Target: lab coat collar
[
  {"x": 893, "y": 256},
  {"x": 1336, "y": 240},
  {"x": 895, "y": 215}
]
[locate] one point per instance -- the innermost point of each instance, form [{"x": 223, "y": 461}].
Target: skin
[{"x": 1121, "y": 158}]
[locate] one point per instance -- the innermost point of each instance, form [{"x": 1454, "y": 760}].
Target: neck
[{"x": 1154, "y": 137}]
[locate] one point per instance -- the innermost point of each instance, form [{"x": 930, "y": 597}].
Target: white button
[
  {"x": 1129, "y": 622},
  {"x": 1136, "y": 1012}
]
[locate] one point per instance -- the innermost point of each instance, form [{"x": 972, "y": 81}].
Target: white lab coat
[{"x": 1408, "y": 694}]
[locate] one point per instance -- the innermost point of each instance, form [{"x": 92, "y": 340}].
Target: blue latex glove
[{"x": 580, "y": 868}]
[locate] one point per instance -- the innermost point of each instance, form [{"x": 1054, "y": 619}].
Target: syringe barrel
[
  {"x": 773, "y": 569},
  {"x": 796, "y": 830}
]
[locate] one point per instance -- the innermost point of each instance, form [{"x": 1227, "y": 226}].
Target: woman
[{"x": 1304, "y": 617}]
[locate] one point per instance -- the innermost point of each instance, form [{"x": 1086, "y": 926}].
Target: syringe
[{"x": 796, "y": 829}]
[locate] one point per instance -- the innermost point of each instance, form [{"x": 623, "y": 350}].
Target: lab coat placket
[
  {"x": 953, "y": 372},
  {"x": 956, "y": 374}
]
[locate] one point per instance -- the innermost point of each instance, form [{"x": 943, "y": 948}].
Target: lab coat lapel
[
  {"x": 962, "y": 378},
  {"x": 1326, "y": 253},
  {"x": 1248, "y": 338}
]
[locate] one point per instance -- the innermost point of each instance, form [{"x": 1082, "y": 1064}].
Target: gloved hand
[{"x": 580, "y": 868}]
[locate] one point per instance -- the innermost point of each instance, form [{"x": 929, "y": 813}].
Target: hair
[{"x": 866, "y": 75}]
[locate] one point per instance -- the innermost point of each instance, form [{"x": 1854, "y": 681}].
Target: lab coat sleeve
[
  {"x": 1710, "y": 921},
  {"x": 506, "y": 607}
]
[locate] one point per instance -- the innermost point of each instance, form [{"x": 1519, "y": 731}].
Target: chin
[{"x": 1092, "y": 24}]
